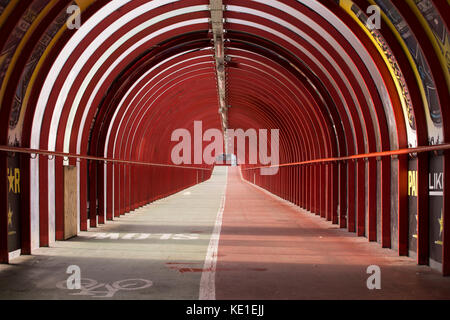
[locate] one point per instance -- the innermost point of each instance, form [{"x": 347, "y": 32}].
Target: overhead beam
[{"x": 216, "y": 8}]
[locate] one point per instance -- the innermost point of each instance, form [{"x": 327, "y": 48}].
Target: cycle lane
[{"x": 271, "y": 249}]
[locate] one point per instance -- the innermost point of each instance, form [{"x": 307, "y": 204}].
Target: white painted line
[
  {"x": 208, "y": 279},
  {"x": 139, "y": 236}
]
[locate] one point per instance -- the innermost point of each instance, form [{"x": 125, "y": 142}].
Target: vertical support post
[
  {"x": 360, "y": 197},
  {"x": 423, "y": 209},
  {"x": 59, "y": 198},
  {"x": 308, "y": 187},
  {"x": 372, "y": 199},
  {"x": 101, "y": 192},
  {"x": 324, "y": 189},
  {"x": 303, "y": 186},
  {"x": 122, "y": 189},
  {"x": 403, "y": 214},
  {"x": 314, "y": 179},
  {"x": 109, "y": 191},
  {"x": 93, "y": 194},
  {"x": 298, "y": 181},
  {"x": 317, "y": 189},
  {"x": 343, "y": 194},
  {"x": 117, "y": 190},
  {"x": 386, "y": 203},
  {"x": 4, "y": 257},
  {"x": 127, "y": 183},
  {"x": 446, "y": 217},
  {"x": 327, "y": 190},
  {"x": 43, "y": 202},
  {"x": 335, "y": 192},
  {"x": 351, "y": 196},
  {"x": 25, "y": 218},
  {"x": 83, "y": 195}
]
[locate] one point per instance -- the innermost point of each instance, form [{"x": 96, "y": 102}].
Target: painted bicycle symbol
[{"x": 90, "y": 287}]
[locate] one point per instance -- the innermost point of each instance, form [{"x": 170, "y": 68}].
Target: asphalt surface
[{"x": 197, "y": 243}]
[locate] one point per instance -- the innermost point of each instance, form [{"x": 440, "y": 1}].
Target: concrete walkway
[
  {"x": 268, "y": 249},
  {"x": 161, "y": 246}
]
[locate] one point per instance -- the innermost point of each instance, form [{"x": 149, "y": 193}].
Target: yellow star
[
  {"x": 415, "y": 235},
  {"x": 11, "y": 180},
  {"x": 441, "y": 227},
  {"x": 10, "y": 215}
]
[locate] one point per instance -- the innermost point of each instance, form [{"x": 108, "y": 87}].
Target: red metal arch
[{"x": 323, "y": 112}]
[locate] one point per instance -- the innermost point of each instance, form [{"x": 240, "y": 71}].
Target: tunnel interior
[{"x": 347, "y": 100}]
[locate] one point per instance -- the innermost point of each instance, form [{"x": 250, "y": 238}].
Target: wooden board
[{"x": 70, "y": 202}]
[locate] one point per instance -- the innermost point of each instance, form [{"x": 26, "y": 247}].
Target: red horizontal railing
[
  {"x": 405, "y": 151},
  {"x": 86, "y": 157},
  {"x": 439, "y": 147}
]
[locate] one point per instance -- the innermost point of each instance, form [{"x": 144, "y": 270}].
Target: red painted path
[{"x": 270, "y": 249}]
